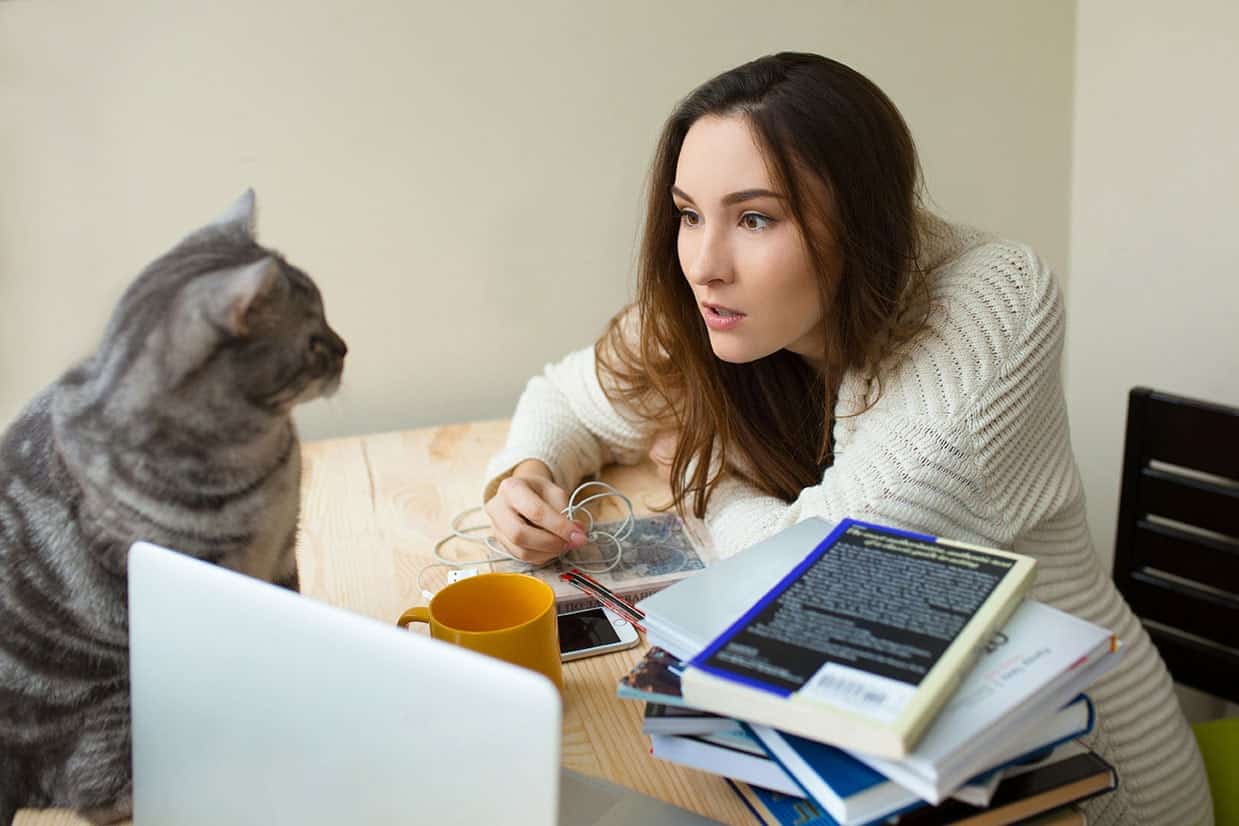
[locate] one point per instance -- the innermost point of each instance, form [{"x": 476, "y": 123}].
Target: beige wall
[
  {"x": 1154, "y": 296},
  {"x": 464, "y": 180}
]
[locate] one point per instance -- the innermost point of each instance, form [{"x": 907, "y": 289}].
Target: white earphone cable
[{"x": 576, "y": 510}]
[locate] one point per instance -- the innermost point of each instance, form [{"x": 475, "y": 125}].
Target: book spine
[
  {"x": 776, "y": 809},
  {"x": 1016, "y": 588}
]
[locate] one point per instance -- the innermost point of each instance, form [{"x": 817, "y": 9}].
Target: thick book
[
  {"x": 853, "y": 793},
  {"x": 864, "y": 640},
  {"x": 661, "y": 718},
  {"x": 734, "y": 755},
  {"x": 772, "y": 808}
]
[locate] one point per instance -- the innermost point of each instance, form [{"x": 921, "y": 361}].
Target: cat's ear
[
  {"x": 242, "y": 213},
  {"x": 243, "y": 295}
]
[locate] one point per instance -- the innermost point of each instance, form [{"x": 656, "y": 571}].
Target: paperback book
[
  {"x": 661, "y": 718},
  {"x": 772, "y": 808},
  {"x": 734, "y": 755},
  {"x": 1042, "y": 659},
  {"x": 863, "y": 641},
  {"x": 655, "y": 679}
]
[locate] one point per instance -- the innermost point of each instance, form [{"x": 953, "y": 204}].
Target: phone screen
[{"x": 585, "y": 629}]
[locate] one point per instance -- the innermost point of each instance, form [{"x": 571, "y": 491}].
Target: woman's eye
[
  {"x": 755, "y": 221},
  {"x": 689, "y": 218}
]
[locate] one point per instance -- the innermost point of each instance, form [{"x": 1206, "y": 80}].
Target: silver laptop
[{"x": 253, "y": 705}]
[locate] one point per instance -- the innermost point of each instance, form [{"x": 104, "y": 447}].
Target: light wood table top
[{"x": 372, "y": 509}]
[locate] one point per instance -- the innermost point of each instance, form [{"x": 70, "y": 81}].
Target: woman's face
[{"x": 740, "y": 249}]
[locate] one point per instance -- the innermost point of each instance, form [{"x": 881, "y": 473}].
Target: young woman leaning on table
[{"x": 808, "y": 341}]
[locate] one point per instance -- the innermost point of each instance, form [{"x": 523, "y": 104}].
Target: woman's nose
[{"x": 708, "y": 260}]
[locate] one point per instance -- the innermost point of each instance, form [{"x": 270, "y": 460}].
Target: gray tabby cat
[{"x": 177, "y": 431}]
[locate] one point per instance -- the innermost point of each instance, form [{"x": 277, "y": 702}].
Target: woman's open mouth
[{"x": 721, "y": 318}]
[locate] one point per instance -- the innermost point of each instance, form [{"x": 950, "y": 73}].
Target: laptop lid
[{"x": 254, "y": 705}]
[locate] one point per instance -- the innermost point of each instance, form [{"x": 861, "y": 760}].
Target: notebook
[{"x": 254, "y": 705}]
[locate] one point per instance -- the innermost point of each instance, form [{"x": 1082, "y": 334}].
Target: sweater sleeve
[
  {"x": 968, "y": 439},
  {"x": 565, "y": 419}
]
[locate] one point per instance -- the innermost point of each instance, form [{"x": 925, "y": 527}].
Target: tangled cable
[{"x": 574, "y": 511}]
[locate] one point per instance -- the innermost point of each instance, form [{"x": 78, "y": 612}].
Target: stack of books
[{"x": 869, "y": 674}]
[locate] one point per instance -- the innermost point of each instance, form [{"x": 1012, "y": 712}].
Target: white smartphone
[{"x": 593, "y": 631}]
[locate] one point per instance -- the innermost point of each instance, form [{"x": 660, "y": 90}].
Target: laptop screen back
[{"x": 252, "y": 704}]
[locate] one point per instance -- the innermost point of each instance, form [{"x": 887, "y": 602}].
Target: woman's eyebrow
[
  {"x": 749, "y": 195},
  {"x": 735, "y": 197}
]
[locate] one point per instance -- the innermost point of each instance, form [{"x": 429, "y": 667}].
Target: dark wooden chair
[
  {"x": 1176, "y": 558},
  {"x": 1176, "y": 554}
]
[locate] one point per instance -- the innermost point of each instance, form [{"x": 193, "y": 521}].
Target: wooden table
[
  {"x": 374, "y": 506},
  {"x": 372, "y": 509}
]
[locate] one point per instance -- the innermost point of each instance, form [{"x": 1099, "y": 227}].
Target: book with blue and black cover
[{"x": 863, "y": 641}]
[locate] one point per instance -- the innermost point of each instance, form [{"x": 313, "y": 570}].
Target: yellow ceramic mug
[{"x": 509, "y": 616}]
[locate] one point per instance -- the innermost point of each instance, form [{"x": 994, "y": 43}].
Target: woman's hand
[{"x": 526, "y": 513}]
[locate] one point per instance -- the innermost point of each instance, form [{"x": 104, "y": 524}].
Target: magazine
[{"x": 659, "y": 551}]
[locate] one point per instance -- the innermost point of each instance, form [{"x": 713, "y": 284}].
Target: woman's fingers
[
  {"x": 528, "y": 525},
  {"x": 525, "y": 554},
  {"x": 530, "y": 501}
]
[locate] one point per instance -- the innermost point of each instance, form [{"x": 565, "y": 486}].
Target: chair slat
[
  {"x": 1193, "y": 610},
  {"x": 1202, "y": 667},
  {"x": 1191, "y": 434},
  {"x": 1200, "y": 558},
  {"x": 1194, "y": 502}
]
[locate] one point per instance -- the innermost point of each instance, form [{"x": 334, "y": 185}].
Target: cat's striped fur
[{"x": 178, "y": 431}]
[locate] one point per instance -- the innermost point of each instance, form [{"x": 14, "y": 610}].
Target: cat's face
[
  {"x": 280, "y": 350},
  {"x": 220, "y": 322}
]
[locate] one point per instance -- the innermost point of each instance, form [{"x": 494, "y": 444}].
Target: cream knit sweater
[{"x": 968, "y": 440}]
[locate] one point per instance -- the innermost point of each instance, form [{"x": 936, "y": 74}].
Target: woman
[{"x": 806, "y": 341}]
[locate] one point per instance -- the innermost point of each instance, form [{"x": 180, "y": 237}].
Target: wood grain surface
[{"x": 372, "y": 509}]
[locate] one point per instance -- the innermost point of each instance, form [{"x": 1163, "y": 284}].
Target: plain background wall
[
  {"x": 463, "y": 180},
  {"x": 1154, "y": 294}
]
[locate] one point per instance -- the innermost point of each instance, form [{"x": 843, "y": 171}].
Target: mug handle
[{"x": 420, "y": 613}]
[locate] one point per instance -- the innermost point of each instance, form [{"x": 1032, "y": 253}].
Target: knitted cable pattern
[{"x": 968, "y": 440}]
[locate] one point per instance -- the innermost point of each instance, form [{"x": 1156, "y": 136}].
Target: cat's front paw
[{"x": 118, "y": 812}]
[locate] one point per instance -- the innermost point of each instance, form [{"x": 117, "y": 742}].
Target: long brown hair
[{"x": 841, "y": 153}]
